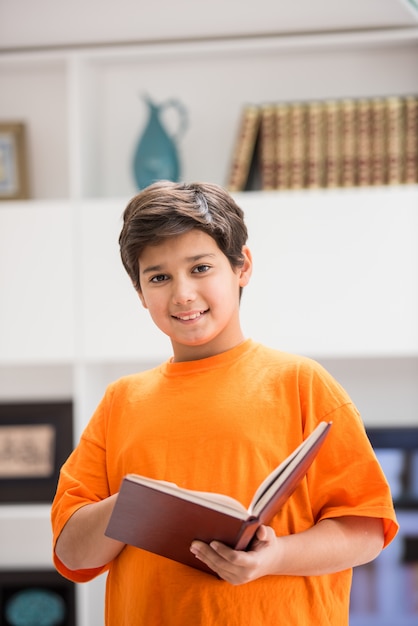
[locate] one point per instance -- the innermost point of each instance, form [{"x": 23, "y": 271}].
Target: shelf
[
  {"x": 331, "y": 271},
  {"x": 19, "y": 524},
  {"x": 36, "y": 282},
  {"x": 83, "y": 145},
  {"x": 334, "y": 275}
]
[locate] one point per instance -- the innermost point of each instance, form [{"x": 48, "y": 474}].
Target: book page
[
  {"x": 270, "y": 485},
  {"x": 216, "y": 501}
]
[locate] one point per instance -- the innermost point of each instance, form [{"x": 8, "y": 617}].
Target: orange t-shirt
[{"x": 222, "y": 424}]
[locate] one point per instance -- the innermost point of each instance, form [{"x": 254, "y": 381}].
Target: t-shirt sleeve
[
  {"x": 346, "y": 478},
  {"x": 82, "y": 481}
]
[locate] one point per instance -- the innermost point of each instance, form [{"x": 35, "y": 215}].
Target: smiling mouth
[{"x": 190, "y": 316}]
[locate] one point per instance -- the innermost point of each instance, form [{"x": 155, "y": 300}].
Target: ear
[{"x": 247, "y": 268}]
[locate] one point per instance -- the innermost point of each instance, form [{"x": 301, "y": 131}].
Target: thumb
[{"x": 262, "y": 533}]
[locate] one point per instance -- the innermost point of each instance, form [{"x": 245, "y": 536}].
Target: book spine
[
  {"x": 378, "y": 143},
  {"x": 411, "y": 140},
  {"x": 282, "y": 145},
  {"x": 315, "y": 145},
  {"x": 364, "y": 143},
  {"x": 332, "y": 147},
  {"x": 394, "y": 134},
  {"x": 248, "y": 530},
  {"x": 335, "y": 143},
  {"x": 297, "y": 138},
  {"x": 268, "y": 147},
  {"x": 244, "y": 147},
  {"x": 348, "y": 143}
]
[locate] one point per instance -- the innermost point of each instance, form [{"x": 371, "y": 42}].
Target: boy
[{"x": 218, "y": 416}]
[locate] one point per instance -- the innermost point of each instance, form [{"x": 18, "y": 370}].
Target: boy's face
[{"x": 192, "y": 294}]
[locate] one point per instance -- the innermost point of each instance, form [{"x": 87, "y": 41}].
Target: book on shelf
[
  {"x": 282, "y": 146},
  {"x": 315, "y": 145},
  {"x": 348, "y": 128},
  {"x": 297, "y": 146},
  {"x": 364, "y": 143},
  {"x": 394, "y": 140},
  {"x": 267, "y": 147},
  {"x": 244, "y": 150},
  {"x": 332, "y": 144},
  {"x": 411, "y": 140},
  {"x": 378, "y": 141},
  {"x": 165, "y": 519}
]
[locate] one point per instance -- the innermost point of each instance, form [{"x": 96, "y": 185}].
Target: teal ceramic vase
[{"x": 156, "y": 155}]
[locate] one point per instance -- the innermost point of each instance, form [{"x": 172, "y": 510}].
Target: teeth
[{"x": 190, "y": 317}]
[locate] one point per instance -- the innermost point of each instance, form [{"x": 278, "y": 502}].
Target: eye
[
  {"x": 201, "y": 269},
  {"x": 159, "y": 278}
]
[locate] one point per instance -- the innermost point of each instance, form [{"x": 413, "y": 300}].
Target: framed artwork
[
  {"x": 35, "y": 440},
  {"x": 13, "y": 173}
]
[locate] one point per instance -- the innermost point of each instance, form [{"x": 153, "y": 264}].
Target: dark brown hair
[{"x": 166, "y": 209}]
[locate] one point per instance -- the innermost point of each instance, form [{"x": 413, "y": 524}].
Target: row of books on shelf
[{"x": 334, "y": 143}]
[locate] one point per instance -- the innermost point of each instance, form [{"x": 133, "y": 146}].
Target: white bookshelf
[
  {"x": 335, "y": 277},
  {"x": 84, "y": 114}
]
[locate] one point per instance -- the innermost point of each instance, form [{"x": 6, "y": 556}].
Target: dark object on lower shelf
[{"x": 32, "y": 597}]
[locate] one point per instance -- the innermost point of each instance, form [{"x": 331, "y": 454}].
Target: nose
[{"x": 183, "y": 291}]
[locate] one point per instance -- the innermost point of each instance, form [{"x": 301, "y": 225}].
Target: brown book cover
[
  {"x": 315, "y": 145},
  {"x": 297, "y": 152},
  {"x": 348, "y": 142},
  {"x": 162, "y": 518},
  {"x": 267, "y": 147},
  {"x": 332, "y": 148},
  {"x": 411, "y": 140},
  {"x": 282, "y": 146},
  {"x": 378, "y": 142},
  {"x": 394, "y": 140},
  {"x": 244, "y": 148},
  {"x": 364, "y": 143}
]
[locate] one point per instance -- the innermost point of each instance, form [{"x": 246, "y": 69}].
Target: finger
[
  {"x": 228, "y": 554},
  {"x": 222, "y": 560},
  {"x": 262, "y": 533},
  {"x": 204, "y": 553},
  {"x": 235, "y": 566}
]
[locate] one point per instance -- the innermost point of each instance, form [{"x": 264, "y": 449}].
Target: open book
[{"x": 163, "y": 518}]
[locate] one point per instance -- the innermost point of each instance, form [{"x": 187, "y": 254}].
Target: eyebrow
[{"x": 190, "y": 259}]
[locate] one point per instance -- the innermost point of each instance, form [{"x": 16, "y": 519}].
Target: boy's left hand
[
  {"x": 239, "y": 567},
  {"x": 331, "y": 545}
]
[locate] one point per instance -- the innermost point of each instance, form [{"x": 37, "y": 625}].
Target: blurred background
[{"x": 87, "y": 91}]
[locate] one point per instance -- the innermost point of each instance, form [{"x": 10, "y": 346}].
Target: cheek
[
  {"x": 156, "y": 306},
  {"x": 226, "y": 290},
  {"x": 142, "y": 299}
]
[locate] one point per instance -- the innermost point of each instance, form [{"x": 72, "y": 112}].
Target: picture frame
[
  {"x": 13, "y": 158},
  {"x": 35, "y": 440}
]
